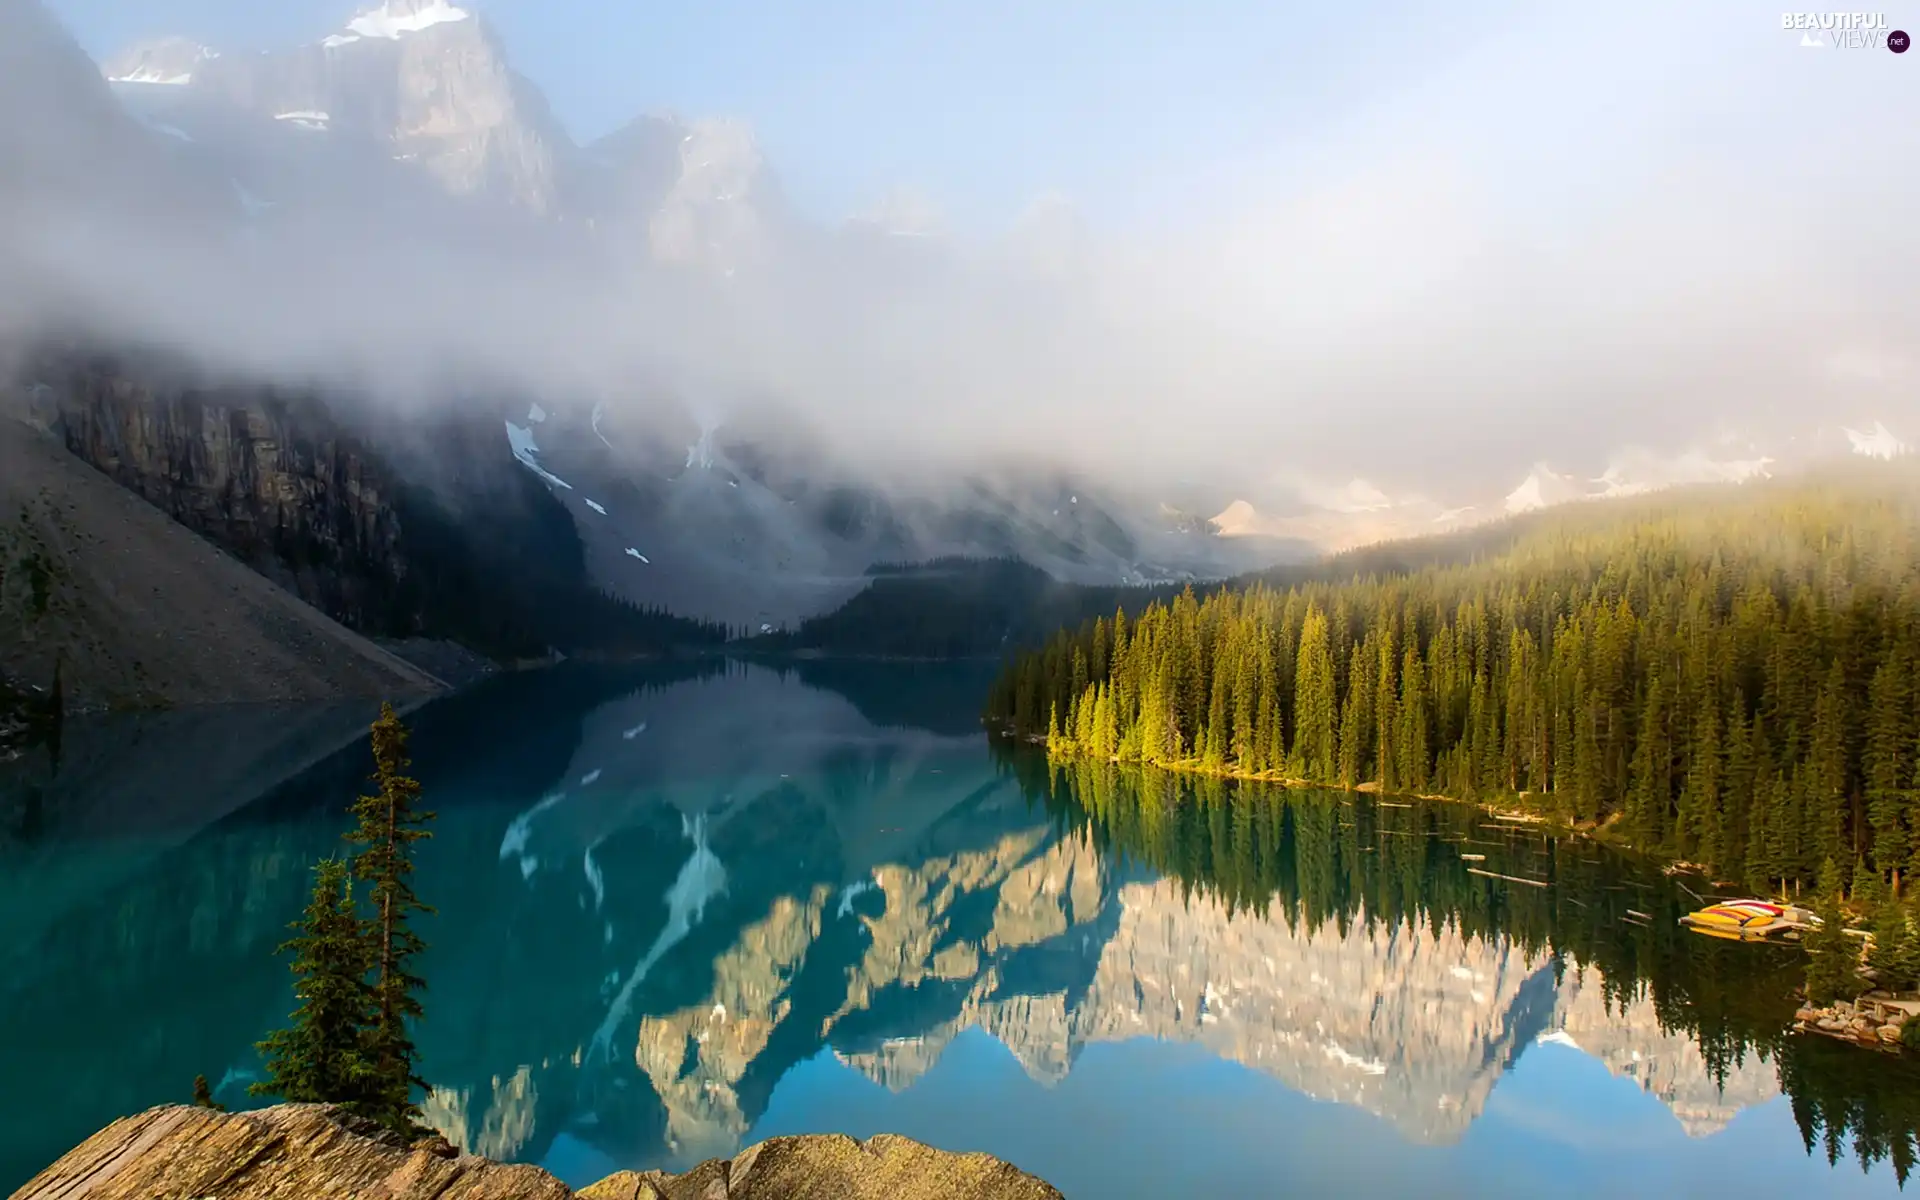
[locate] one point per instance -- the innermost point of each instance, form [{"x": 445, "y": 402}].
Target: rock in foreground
[{"x": 295, "y": 1151}]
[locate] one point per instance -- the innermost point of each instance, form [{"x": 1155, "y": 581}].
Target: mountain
[
  {"x": 406, "y": 143},
  {"x": 752, "y": 525},
  {"x": 115, "y": 604},
  {"x": 695, "y": 193},
  {"x": 396, "y": 528},
  {"x": 71, "y": 158},
  {"x": 1542, "y": 488},
  {"x": 168, "y": 61},
  {"x": 1878, "y": 442},
  {"x": 1361, "y": 514},
  {"x": 417, "y": 81}
]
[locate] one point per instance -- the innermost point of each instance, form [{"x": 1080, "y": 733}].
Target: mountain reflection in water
[{"x": 684, "y": 908}]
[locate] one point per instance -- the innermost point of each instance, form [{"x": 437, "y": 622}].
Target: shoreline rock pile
[{"x": 1875, "y": 1019}]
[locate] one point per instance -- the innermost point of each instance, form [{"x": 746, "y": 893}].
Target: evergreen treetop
[
  {"x": 321, "y": 1057},
  {"x": 389, "y": 822}
]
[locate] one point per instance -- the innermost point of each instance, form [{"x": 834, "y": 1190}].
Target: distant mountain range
[{"x": 1361, "y": 514}]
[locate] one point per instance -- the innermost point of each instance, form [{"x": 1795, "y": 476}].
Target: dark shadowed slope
[{"x": 139, "y": 611}]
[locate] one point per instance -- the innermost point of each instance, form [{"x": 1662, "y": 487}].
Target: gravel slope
[{"x": 141, "y": 611}]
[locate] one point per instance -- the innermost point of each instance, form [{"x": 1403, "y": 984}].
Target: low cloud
[{"x": 1590, "y": 232}]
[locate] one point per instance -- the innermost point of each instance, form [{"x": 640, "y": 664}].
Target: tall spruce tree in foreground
[
  {"x": 389, "y": 823},
  {"x": 322, "y": 1056}
]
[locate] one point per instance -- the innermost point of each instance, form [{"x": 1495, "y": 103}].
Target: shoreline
[{"x": 1517, "y": 814}]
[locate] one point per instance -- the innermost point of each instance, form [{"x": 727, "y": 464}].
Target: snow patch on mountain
[
  {"x": 520, "y": 440},
  {"x": 152, "y": 75},
  {"x": 397, "y": 18},
  {"x": 1878, "y": 442},
  {"x": 169, "y": 62},
  {"x": 1354, "y": 496},
  {"x": 1542, "y": 488},
  {"x": 701, "y": 879},
  {"x": 1341, "y": 1055},
  {"x": 1235, "y": 520},
  {"x": 595, "y": 506},
  {"x": 1637, "y": 473},
  {"x": 700, "y": 453}
]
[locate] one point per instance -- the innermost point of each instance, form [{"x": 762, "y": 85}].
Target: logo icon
[
  {"x": 1807, "y": 39},
  {"x": 1898, "y": 41}
]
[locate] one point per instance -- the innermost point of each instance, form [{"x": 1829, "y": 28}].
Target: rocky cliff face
[
  {"x": 264, "y": 474},
  {"x": 419, "y": 82},
  {"x": 180, "y": 1153},
  {"x": 106, "y": 603}
]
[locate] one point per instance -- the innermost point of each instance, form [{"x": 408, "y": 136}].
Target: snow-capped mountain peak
[
  {"x": 1637, "y": 472},
  {"x": 170, "y": 61},
  {"x": 1237, "y": 519},
  {"x": 396, "y": 18},
  {"x": 1877, "y": 442},
  {"x": 1542, "y": 488}
]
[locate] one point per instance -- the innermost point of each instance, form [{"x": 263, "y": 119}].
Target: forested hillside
[
  {"x": 954, "y": 608},
  {"x": 1727, "y": 676}
]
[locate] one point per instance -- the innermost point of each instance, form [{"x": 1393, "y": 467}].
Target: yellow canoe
[{"x": 1746, "y": 919}]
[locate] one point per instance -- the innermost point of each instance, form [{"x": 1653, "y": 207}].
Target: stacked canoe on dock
[{"x": 1751, "y": 920}]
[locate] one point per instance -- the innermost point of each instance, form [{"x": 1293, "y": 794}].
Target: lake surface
[{"x": 685, "y": 908}]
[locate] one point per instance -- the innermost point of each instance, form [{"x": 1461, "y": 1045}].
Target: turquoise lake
[{"x": 682, "y": 908}]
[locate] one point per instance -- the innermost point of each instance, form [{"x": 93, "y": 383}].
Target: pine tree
[
  {"x": 1889, "y": 751},
  {"x": 203, "y": 1095},
  {"x": 1895, "y": 943},
  {"x": 390, "y": 821},
  {"x": 1832, "y": 957},
  {"x": 1314, "y": 752},
  {"x": 322, "y": 1057}
]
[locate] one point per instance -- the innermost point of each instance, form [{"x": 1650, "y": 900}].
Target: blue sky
[{"x": 1126, "y": 107}]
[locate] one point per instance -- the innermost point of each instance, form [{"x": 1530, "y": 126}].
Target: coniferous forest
[{"x": 1724, "y": 676}]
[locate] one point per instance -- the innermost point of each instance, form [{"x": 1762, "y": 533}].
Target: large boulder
[{"x": 296, "y": 1151}]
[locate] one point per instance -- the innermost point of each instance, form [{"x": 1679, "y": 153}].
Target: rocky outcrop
[
  {"x": 265, "y": 474},
  {"x": 303, "y": 1150},
  {"x": 135, "y": 611},
  {"x": 420, "y": 80},
  {"x": 181, "y": 1153},
  {"x": 1875, "y": 1019},
  {"x": 836, "y": 1166}
]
